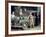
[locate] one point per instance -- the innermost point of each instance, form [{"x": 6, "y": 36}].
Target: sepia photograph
[{"x": 25, "y": 18}]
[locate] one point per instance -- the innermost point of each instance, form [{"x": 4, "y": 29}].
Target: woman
[{"x": 31, "y": 20}]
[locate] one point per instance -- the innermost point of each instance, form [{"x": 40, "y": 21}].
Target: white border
[{"x": 25, "y": 31}]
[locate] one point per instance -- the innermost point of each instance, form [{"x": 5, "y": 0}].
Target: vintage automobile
[{"x": 20, "y": 22}]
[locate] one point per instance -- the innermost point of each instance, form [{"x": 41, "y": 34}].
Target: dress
[{"x": 31, "y": 20}]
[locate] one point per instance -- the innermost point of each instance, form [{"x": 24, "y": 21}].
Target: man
[{"x": 13, "y": 18}]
